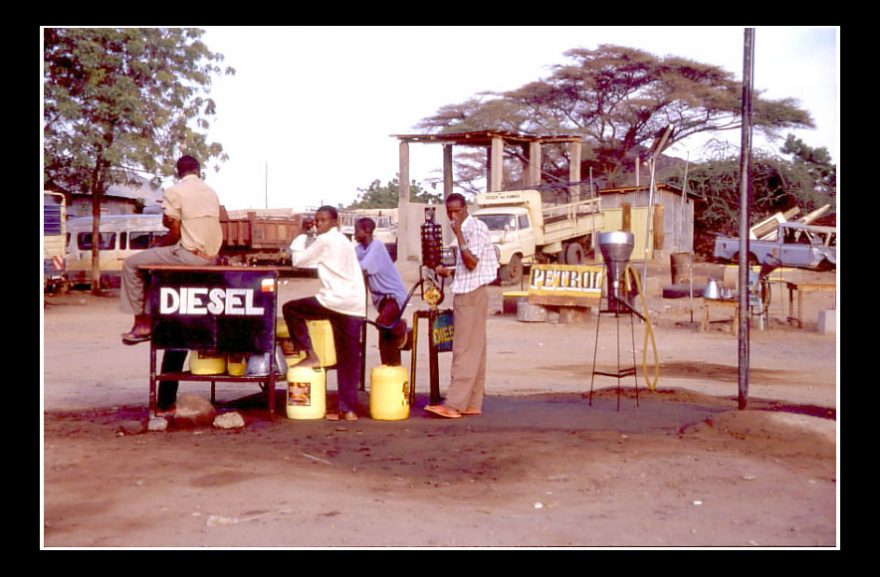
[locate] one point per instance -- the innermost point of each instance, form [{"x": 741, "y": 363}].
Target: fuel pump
[
  {"x": 439, "y": 322},
  {"x": 432, "y": 257}
]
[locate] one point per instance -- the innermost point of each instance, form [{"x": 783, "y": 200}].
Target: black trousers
[
  {"x": 172, "y": 362},
  {"x": 346, "y": 339}
]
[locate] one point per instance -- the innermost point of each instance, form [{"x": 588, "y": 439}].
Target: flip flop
[
  {"x": 443, "y": 411},
  {"x": 132, "y": 338},
  {"x": 471, "y": 412},
  {"x": 347, "y": 416}
]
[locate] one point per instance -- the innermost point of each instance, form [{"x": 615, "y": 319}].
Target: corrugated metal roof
[
  {"x": 645, "y": 187},
  {"x": 485, "y": 137}
]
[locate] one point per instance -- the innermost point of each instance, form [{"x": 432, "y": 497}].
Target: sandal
[
  {"x": 443, "y": 411},
  {"x": 133, "y": 338},
  {"x": 471, "y": 412},
  {"x": 346, "y": 416}
]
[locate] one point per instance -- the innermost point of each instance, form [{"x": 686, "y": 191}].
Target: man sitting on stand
[{"x": 386, "y": 288}]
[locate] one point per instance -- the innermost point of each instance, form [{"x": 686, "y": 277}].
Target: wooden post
[
  {"x": 447, "y": 170},
  {"x": 574, "y": 169},
  {"x": 659, "y": 235},
  {"x": 533, "y": 174},
  {"x": 496, "y": 165},
  {"x": 403, "y": 248}
]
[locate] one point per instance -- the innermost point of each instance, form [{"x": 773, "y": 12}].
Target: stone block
[{"x": 827, "y": 322}]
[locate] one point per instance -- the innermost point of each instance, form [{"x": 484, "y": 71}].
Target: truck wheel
[
  {"x": 512, "y": 272},
  {"x": 574, "y": 254},
  {"x": 753, "y": 260}
]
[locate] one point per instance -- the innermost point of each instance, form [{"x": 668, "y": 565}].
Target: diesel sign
[{"x": 203, "y": 301}]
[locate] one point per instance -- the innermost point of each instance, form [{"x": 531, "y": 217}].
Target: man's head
[
  {"x": 456, "y": 207},
  {"x": 326, "y": 219},
  {"x": 363, "y": 230},
  {"x": 188, "y": 165}
]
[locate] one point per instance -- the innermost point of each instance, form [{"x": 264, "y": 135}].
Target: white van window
[
  {"x": 84, "y": 240},
  {"x": 523, "y": 221},
  {"x": 141, "y": 239}
]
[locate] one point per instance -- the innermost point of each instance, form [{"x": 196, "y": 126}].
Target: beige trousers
[
  {"x": 131, "y": 293},
  {"x": 468, "y": 372}
]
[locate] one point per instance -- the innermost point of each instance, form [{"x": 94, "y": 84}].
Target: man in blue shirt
[{"x": 386, "y": 288}]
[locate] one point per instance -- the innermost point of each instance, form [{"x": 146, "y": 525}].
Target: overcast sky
[{"x": 308, "y": 117}]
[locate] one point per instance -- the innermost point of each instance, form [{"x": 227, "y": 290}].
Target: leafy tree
[
  {"x": 618, "y": 99},
  {"x": 816, "y": 162},
  {"x": 123, "y": 101},
  {"x": 778, "y": 184},
  {"x": 387, "y": 196}
]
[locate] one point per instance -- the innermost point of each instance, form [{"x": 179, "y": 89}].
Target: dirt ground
[{"x": 545, "y": 466}]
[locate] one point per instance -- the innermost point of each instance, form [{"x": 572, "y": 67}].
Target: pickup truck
[
  {"x": 526, "y": 228},
  {"x": 796, "y": 245}
]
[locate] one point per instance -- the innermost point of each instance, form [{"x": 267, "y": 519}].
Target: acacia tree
[
  {"x": 123, "y": 101},
  {"x": 618, "y": 99}
]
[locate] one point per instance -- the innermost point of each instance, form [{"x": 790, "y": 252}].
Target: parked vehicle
[
  {"x": 120, "y": 235},
  {"x": 259, "y": 237},
  {"x": 54, "y": 238},
  {"x": 795, "y": 245},
  {"x": 527, "y": 227},
  {"x": 250, "y": 238}
]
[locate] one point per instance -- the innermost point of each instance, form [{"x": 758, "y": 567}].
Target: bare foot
[{"x": 310, "y": 361}]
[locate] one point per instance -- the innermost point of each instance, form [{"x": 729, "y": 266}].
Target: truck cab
[
  {"x": 513, "y": 235},
  {"x": 526, "y": 229}
]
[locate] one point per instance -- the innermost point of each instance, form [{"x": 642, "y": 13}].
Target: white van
[{"x": 121, "y": 236}]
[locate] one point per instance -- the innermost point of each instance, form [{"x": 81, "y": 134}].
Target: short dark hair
[
  {"x": 456, "y": 196},
  {"x": 366, "y": 223},
  {"x": 187, "y": 164},
  {"x": 329, "y": 210}
]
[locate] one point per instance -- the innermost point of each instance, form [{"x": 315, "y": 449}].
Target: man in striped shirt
[{"x": 476, "y": 266}]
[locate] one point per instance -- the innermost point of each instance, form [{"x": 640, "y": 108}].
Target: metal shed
[{"x": 673, "y": 216}]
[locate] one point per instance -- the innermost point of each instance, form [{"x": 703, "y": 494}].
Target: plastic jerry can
[
  {"x": 207, "y": 363},
  {"x": 321, "y": 334},
  {"x": 306, "y": 393},
  {"x": 236, "y": 364},
  {"x": 389, "y": 393}
]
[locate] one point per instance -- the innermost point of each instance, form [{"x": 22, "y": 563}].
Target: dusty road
[{"x": 677, "y": 467}]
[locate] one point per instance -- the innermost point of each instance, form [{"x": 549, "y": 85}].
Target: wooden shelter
[{"x": 494, "y": 141}]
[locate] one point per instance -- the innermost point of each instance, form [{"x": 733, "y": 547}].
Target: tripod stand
[{"x": 617, "y": 308}]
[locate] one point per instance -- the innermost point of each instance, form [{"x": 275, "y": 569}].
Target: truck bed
[{"x": 260, "y": 233}]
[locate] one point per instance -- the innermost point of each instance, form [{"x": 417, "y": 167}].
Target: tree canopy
[
  {"x": 618, "y": 99},
  {"x": 378, "y": 195},
  {"x": 806, "y": 180},
  {"x": 119, "y": 102}
]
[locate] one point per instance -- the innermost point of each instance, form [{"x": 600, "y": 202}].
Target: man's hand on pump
[{"x": 443, "y": 271}]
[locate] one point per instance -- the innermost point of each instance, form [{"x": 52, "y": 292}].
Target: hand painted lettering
[{"x": 203, "y": 301}]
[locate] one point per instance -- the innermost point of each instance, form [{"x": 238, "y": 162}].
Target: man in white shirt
[
  {"x": 476, "y": 267},
  {"x": 341, "y": 300}
]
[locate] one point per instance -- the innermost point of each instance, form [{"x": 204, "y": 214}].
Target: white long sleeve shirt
[{"x": 342, "y": 281}]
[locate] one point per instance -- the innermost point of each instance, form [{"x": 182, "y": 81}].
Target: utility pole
[{"x": 745, "y": 214}]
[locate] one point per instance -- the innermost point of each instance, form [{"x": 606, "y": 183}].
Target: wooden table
[
  {"x": 804, "y": 287},
  {"x": 723, "y": 303}
]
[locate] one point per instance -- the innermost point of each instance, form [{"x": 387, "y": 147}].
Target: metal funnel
[{"x": 616, "y": 248}]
